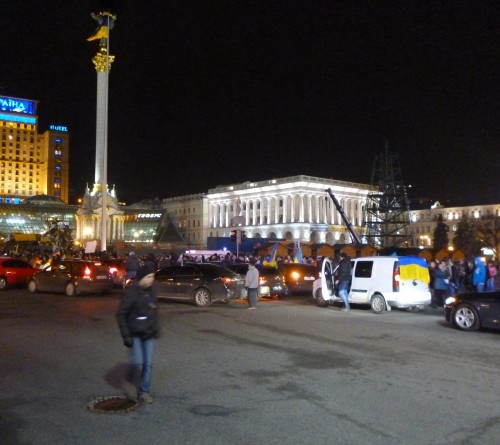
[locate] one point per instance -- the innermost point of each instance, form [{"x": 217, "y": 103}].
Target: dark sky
[{"x": 204, "y": 93}]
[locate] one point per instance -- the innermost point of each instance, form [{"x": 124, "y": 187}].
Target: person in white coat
[{"x": 252, "y": 284}]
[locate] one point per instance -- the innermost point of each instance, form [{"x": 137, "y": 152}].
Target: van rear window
[{"x": 363, "y": 269}]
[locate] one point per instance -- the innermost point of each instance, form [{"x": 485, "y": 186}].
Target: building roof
[{"x": 43, "y": 200}]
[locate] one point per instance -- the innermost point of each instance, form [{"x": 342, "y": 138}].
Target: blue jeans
[
  {"x": 480, "y": 287},
  {"x": 141, "y": 359},
  {"x": 253, "y": 295},
  {"x": 344, "y": 292}
]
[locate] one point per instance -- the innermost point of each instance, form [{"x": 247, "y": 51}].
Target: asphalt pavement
[{"x": 289, "y": 372}]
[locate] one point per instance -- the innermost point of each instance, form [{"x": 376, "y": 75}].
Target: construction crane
[{"x": 344, "y": 217}]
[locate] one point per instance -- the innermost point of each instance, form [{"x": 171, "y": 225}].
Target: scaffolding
[{"x": 387, "y": 211}]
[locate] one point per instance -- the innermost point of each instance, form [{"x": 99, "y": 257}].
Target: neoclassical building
[
  {"x": 294, "y": 208},
  {"x": 424, "y": 221}
]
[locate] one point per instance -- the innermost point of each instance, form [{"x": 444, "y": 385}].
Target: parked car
[
  {"x": 72, "y": 277},
  {"x": 117, "y": 270},
  {"x": 271, "y": 282},
  {"x": 298, "y": 277},
  {"x": 471, "y": 311},
  {"x": 382, "y": 282},
  {"x": 199, "y": 283},
  {"x": 14, "y": 272}
]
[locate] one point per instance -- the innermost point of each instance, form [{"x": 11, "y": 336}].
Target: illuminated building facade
[
  {"x": 31, "y": 163},
  {"x": 295, "y": 208},
  {"x": 425, "y": 221}
]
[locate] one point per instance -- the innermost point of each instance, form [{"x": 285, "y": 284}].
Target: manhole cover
[{"x": 113, "y": 404}]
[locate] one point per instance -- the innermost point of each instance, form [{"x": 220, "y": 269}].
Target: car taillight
[
  {"x": 395, "y": 279},
  {"x": 113, "y": 270},
  {"x": 228, "y": 280}
]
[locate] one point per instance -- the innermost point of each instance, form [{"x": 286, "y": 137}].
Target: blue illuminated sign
[
  {"x": 13, "y": 105},
  {"x": 21, "y": 119},
  {"x": 58, "y": 128}
]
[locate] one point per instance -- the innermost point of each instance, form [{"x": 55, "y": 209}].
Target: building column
[{"x": 309, "y": 209}]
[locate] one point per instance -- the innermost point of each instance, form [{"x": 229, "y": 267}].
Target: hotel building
[{"x": 31, "y": 163}]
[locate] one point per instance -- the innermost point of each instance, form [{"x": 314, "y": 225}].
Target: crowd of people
[{"x": 451, "y": 277}]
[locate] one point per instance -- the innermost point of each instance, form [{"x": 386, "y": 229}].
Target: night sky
[{"x": 206, "y": 93}]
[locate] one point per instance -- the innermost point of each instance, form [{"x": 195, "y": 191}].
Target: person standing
[
  {"x": 344, "y": 279},
  {"x": 479, "y": 275},
  {"x": 138, "y": 321},
  {"x": 440, "y": 283},
  {"x": 131, "y": 266},
  {"x": 252, "y": 284}
]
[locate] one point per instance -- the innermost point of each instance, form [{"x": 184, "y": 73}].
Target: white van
[{"x": 380, "y": 281}]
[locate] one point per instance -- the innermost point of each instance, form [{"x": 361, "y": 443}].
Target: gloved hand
[{"x": 127, "y": 341}]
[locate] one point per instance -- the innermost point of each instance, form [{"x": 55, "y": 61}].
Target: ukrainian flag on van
[{"x": 413, "y": 268}]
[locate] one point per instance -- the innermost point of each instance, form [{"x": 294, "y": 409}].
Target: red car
[{"x": 14, "y": 272}]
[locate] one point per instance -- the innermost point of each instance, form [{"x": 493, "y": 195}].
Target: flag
[
  {"x": 101, "y": 33},
  {"x": 411, "y": 268},
  {"x": 270, "y": 261},
  {"x": 298, "y": 256}
]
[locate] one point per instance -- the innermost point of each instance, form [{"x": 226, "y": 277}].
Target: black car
[
  {"x": 199, "y": 283},
  {"x": 299, "y": 278},
  {"x": 271, "y": 282},
  {"x": 471, "y": 311},
  {"x": 72, "y": 277}
]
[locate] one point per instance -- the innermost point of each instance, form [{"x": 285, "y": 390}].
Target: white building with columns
[{"x": 295, "y": 208}]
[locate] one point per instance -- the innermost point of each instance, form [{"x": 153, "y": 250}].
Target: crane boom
[{"x": 348, "y": 224}]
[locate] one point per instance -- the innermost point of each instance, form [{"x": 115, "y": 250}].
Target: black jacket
[
  {"x": 138, "y": 313},
  {"x": 344, "y": 271}
]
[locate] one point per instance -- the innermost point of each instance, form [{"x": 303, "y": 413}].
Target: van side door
[{"x": 361, "y": 281}]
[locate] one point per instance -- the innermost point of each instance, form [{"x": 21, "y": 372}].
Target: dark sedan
[
  {"x": 72, "y": 277},
  {"x": 299, "y": 278},
  {"x": 271, "y": 283},
  {"x": 474, "y": 310},
  {"x": 199, "y": 283}
]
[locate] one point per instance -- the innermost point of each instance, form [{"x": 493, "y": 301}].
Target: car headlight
[{"x": 450, "y": 300}]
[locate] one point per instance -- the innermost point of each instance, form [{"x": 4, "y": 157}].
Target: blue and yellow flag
[
  {"x": 270, "y": 261},
  {"x": 298, "y": 256},
  {"x": 101, "y": 33},
  {"x": 411, "y": 268}
]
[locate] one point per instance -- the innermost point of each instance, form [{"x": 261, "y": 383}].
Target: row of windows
[
  {"x": 21, "y": 126},
  {"x": 183, "y": 211},
  {"x": 10, "y": 137},
  {"x": 187, "y": 223},
  {"x": 9, "y": 178}
]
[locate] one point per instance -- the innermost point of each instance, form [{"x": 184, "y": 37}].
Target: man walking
[
  {"x": 137, "y": 318},
  {"x": 344, "y": 279}
]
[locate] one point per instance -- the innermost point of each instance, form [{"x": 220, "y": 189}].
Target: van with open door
[{"x": 382, "y": 282}]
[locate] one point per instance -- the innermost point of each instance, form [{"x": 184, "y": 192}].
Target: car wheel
[
  {"x": 466, "y": 318},
  {"x": 378, "y": 304},
  {"x": 70, "y": 289},
  {"x": 32, "y": 287},
  {"x": 201, "y": 297},
  {"x": 3, "y": 283},
  {"x": 320, "y": 301}
]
